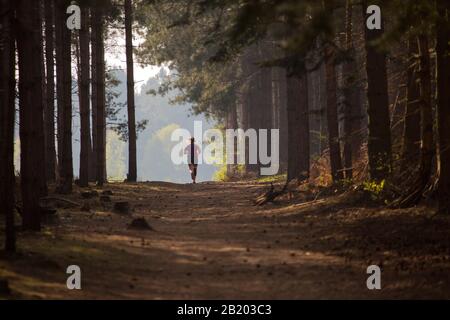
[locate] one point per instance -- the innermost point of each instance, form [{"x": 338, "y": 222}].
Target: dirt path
[{"x": 210, "y": 242}]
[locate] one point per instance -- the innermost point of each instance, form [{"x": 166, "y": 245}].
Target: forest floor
[{"x": 210, "y": 242}]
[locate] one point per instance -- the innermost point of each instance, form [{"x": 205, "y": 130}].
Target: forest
[{"x": 356, "y": 92}]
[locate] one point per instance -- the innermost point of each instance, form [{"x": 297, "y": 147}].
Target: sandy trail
[{"x": 210, "y": 242}]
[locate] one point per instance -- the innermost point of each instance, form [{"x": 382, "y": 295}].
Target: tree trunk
[
  {"x": 411, "y": 136},
  {"x": 426, "y": 113},
  {"x": 231, "y": 123},
  {"x": 49, "y": 111},
  {"x": 298, "y": 128},
  {"x": 379, "y": 139},
  {"x": 132, "y": 166},
  {"x": 349, "y": 95},
  {"x": 283, "y": 126},
  {"x": 93, "y": 155},
  {"x": 427, "y": 151},
  {"x": 7, "y": 115},
  {"x": 100, "y": 93},
  {"x": 64, "y": 97},
  {"x": 30, "y": 111},
  {"x": 43, "y": 190},
  {"x": 332, "y": 119},
  {"x": 443, "y": 106},
  {"x": 83, "y": 93}
]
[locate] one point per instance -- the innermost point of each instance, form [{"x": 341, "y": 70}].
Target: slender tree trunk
[
  {"x": 94, "y": 151},
  {"x": 411, "y": 136},
  {"x": 43, "y": 190},
  {"x": 100, "y": 92},
  {"x": 132, "y": 166},
  {"x": 7, "y": 115},
  {"x": 349, "y": 94},
  {"x": 379, "y": 140},
  {"x": 83, "y": 93},
  {"x": 232, "y": 124},
  {"x": 283, "y": 126},
  {"x": 64, "y": 88},
  {"x": 332, "y": 119},
  {"x": 298, "y": 128},
  {"x": 30, "y": 111},
  {"x": 443, "y": 106},
  {"x": 427, "y": 151},
  {"x": 49, "y": 111}
]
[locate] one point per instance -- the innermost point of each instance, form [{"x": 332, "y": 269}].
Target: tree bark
[
  {"x": 411, "y": 136},
  {"x": 349, "y": 95},
  {"x": 414, "y": 195},
  {"x": 83, "y": 93},
  {"x": 298, "y": 128},
  {"x": 443, "y": 105},
  {"x": 93, "y": 157},
  {"x": 100, "y": 93},
  {"x": 30, "y": 111},
  {"x": 43, "y": 190},
  {"x": 283, "y": 126},
  {"x": 64, "y": 97},
  {"x": 426, "y": 113},
  {"x": 379, "y": 139},
  {"x": 7, "y": 115},
  {"x": 332, "y": 119},
  {"x": 49, "y": 111},
  {"x": 132, "y": 165}
]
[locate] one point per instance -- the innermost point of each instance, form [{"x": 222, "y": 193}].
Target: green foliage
[
  {"x": 275, "y": 178},
  {"x": 222, "y": 173},
  {"x": 374, "y": 188}
]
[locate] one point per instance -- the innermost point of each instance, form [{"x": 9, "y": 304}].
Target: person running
[{"x": 192, "y": 150}]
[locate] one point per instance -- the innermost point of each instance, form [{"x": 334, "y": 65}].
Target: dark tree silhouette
[
  {"x": 30, "y": 111},
  {"x": 7, "y": 115}
]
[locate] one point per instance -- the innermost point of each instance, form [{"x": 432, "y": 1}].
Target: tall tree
[
  {"x": 298, "y": 127},
  {"x": 411, "y": 136},
  {"x": 414, "y": 195},
  {"x": 83, "y": 93},
  {"x": 49, "y": 110},
  {"x": 93, "y": 157},
  {"x": 379, "y": 139},
  {"x": 132, "y": 166},
  {"x": 98, "y": 29},
  {"x": 443, "y": 105},
  {"x": 332, "y": 119},
  {"x": 64, "y": 97},
  {"x": 30, "y": 111},
  {"x": 7, "y": 115},
  {"x": 349, "y": 102},
  {"x": 43, "y": 190}
]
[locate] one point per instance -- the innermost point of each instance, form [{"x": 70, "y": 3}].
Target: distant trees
[{"x": 7, "y": 117}]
